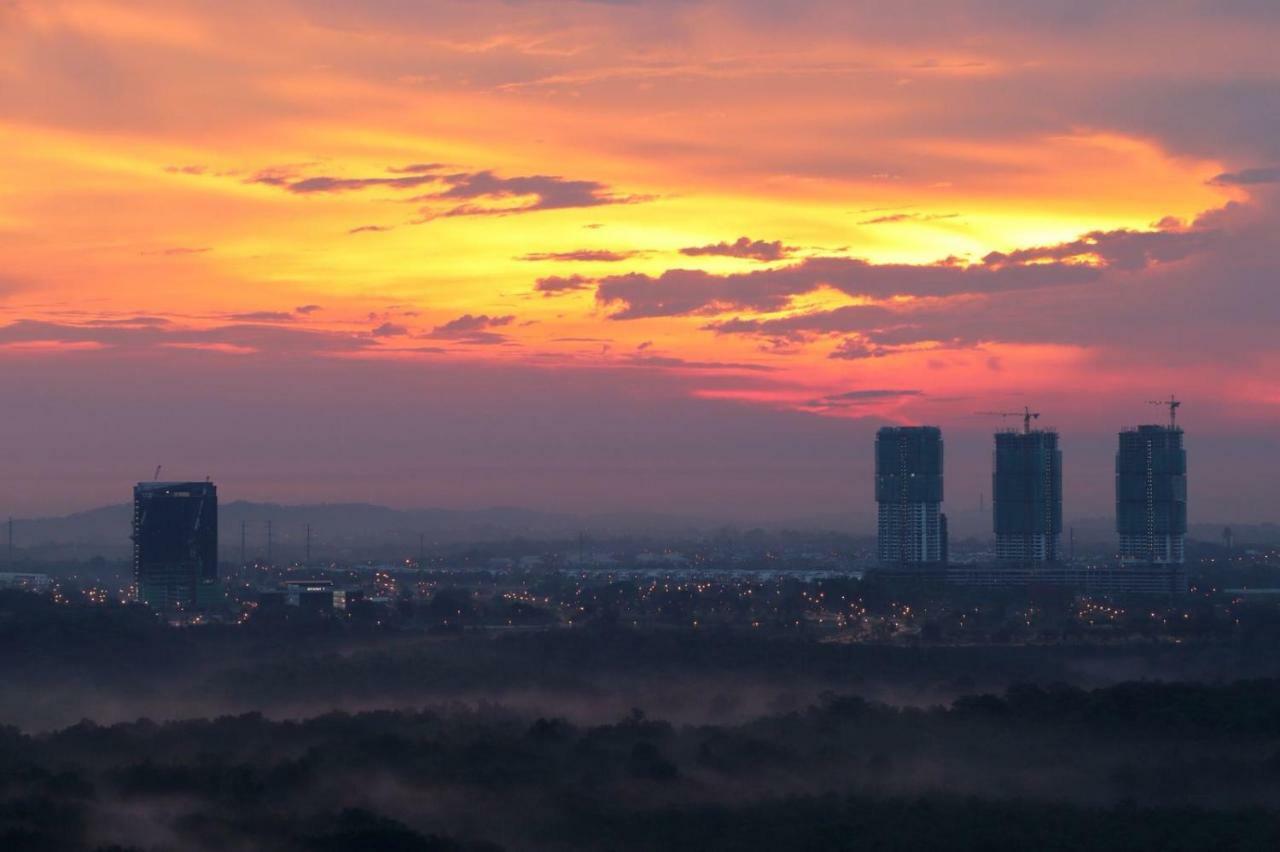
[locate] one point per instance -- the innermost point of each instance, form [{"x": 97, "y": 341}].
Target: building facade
[
  {"x": 1097, "y": 579},
  {"x": 1027, "y": 496},
  {"x": 175, "y": 543},
  {"x": 1151, "y": 495},
  {"x": 909, "y": 496}
]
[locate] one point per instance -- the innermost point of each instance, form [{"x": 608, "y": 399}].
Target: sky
[{"x": 679, "y": 256}]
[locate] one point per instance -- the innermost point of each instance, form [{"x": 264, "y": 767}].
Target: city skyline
[
  {"x": 681, "y": 425},
  {"x": 1026, "y": 464},
  {"x": 678, "y": 255},
  {"x": 860, "y": 470}
]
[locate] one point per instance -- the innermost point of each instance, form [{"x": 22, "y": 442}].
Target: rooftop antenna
[
  {"x": 1026, "y": 414},
  {"x": 159, "y": 467},
  {"x": 1174, "y": 404}
]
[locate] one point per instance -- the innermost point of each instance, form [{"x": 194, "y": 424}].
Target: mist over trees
[
  {"x": 1126, "y": 767},
  {"x": 123, "y": 732}
]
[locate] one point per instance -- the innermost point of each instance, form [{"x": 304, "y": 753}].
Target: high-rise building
[
  {"x": 1027, "y": 496},
  {"x": 175, "y": 543},
  {"x": 1151, "y": 495},
  {"x": 909, "y": 495}
]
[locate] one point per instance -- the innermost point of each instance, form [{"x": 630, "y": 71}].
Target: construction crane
[
  {"x": 1026, "y": 414},
  {"x": 1174, "y": 404}
]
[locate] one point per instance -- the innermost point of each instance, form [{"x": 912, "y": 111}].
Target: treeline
[
  {"x": 1135, "y": 766},
  {"x": 926, "y": 824},
  {"x": 63, "y": 662}
]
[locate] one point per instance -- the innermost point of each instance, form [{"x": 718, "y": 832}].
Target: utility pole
[
  {"x": 269, "y": 561},
  {"x": 244, "y": 562},
  {"x": 11, "y": 542},
  {"x": 308, "y": 551},
  {"x": 422, "y": 550}
]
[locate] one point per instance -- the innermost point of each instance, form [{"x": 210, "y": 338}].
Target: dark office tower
[
  {"x": 1151, "y": 495},
  {"x": 909, "y": 494},
  {"x": 1027, "y": 496},
  {"x": 175, "y": 543}
]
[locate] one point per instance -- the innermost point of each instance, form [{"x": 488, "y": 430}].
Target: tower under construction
[
  {"x": 1151, "y": 495},
  {"x": 175, "y": 543},
  {"x": 911, "y": 526},
  {"x": 1027, "y": 496}
]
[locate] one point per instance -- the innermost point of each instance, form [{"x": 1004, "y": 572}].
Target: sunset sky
[{"x": 660, "y": 255}]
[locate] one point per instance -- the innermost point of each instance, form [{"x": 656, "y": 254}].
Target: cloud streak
[
  {"x": 582, "y": 256},
  {"x": 863, "y": 398},
  {"x": 487, "y": 194},
  {"x": 1247, "y": 177},
  {"x": 480, "y": 193},
  {"x": 251, "y": 337},
  {"x": 683, "y": 292},
  {"x": 894, "y": 218},
  {"x": 474, "y": 328},
  {"x": 554, "y": 285},
  {"x": 743, "y": 247}
]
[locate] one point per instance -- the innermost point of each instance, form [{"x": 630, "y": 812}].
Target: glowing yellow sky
[{"x": 136, "y": 137}]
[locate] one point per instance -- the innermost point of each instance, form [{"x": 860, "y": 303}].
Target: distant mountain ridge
[
  {"x": 337, "y": 529},
  {"x": 370, "y": 531}
]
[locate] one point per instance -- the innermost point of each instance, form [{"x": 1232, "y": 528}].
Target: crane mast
[
  {"x": 1174, "y": 404},
  {"x": 1026, "y": 414}
]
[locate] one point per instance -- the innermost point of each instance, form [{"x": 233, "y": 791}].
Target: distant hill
[
  {"x": 367, "y": 531},
  {"x": 338, "y": 530}
]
